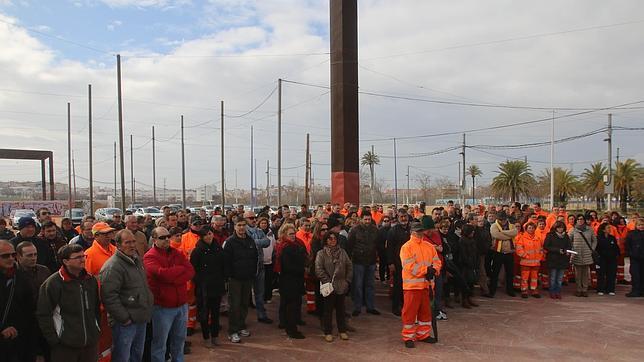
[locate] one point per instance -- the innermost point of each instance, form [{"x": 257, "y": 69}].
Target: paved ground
[{"x": 508, "y": 329}]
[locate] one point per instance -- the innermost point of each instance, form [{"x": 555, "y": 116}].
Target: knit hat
[
  {"x": 427, "y": 222},
  {"x": 417, "y": 226},
  {"x": 25, "y": 221}
]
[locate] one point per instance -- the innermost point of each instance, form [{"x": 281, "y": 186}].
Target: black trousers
[
  {"x": 331, "y": 302},
  {"x": 397, "y": 292},
  {"x": 208, "y": 308},
  {"x": 292, "y": 312},
  {"x": 637, "y": 273},
  {"x": 383, "y": 265},
  {"x": 269, "y": 282},
  {"x": 507, "y": 262},
  {"x": 606, "y": 275}
]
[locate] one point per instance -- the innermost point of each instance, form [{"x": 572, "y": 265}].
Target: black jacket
[
  {"x": 20, "y": 314},
  {"x": 483, "y": 239},
  {"x": 46, "y": 255},
  {"x": 607, "y": 248},
  {"x": 468, "y": 259},
  {"x": 635, "y": 244},
  {"x": 293, "y": 260},
  {"x": 397, "y": 236},
  {"x": 362, "y": 244},
  {"x": 553, "y": 246},
  {"x": 240, "y": 257},
  {"x": 210, "y": 273},
  {"x": 7, "y": 234},
  {"x": 383, "y": 232}
]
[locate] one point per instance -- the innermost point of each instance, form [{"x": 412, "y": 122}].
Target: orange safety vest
[
  {"x": 306, "y": 239},
  {"x": 188, "y": 243},
  {"x": 376, "y": 216},
  {"x": 416, "y": 256},
  {"x": 96, "y": 256},
  {"x": 529, "y": 249}
]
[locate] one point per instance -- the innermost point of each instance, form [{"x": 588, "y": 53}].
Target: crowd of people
[{"x": 133, "y": 288}]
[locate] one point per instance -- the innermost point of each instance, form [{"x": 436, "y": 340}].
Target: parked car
[
  {"x": 76, "y": 215},
  {"x": 106, "y": 213},
  {"x": 16, "y": 214},
  {"x": 152, "y": 211}
]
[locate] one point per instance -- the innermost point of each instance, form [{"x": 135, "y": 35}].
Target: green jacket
[
  {"x": 68, "y": 310},
  {"x": 124, "y": 290}
]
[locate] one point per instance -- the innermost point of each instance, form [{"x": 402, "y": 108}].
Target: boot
[
  {"x": 465, "y": 303},
  {"x": 472, "y": 302}
]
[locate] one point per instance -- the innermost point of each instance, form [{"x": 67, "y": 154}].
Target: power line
[
  {"x": 255, "y": 108},
  {"x": 538, "y": 144},
  {"x": 268, "y": 55}
]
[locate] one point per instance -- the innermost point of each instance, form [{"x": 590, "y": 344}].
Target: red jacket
[{"x": 168, "y": 272}]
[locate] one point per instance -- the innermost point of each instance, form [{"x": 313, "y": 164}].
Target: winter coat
[
  {"x": 396, "y": 238},
  {"x": 293, "y": 260},
  {"x": 483, "y": 240},
  {"x": 168, "y": 272},
  {"x": 553, "y": 245},
  {"x": 635, "y": 244},
  {"x": 46, "y": 256},
  {"x": 20, "y": 314},
  {"x": 242, "y": 258},
  {"x": 607, "y": 248},
  {"x": 468, "y": 259},
  {"x": 503, "y": 237},
  {"x": 338, "y": 271},
  {"x": 382, "y": 238},
  {"x": 210, "y": 275},
  {"x": 362, "y": 246},
  {"x": 261, "y": 242},
  {"x": 584, "y": 254},
  {"x": 124, "y": 290},
  {"x": 529, "y": 249},
  {"x": 68, "y": 310}
]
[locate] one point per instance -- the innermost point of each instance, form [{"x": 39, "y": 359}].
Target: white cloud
[
  {"x": 587, "y": 69},
  {"x": 114, "y": 24},
  {"x": 146, "y": 3}
]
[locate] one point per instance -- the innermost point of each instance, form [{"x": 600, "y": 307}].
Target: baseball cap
[
  {"x": 197, "y": 220},
  {"x": 101, "y": 228}
]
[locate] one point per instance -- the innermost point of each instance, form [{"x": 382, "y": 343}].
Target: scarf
[
  {"x": 279, "y": 248},
  {"x": 333, "y": 252}
]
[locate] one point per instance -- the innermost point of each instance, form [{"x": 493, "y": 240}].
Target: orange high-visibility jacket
[
  {"x": 188, "y": 243},
  {"x": 529, "y": 249},
  {"x": 306, "y": 237},
  {"x": 541, "y": 234},
  {"x": 416, "y": 256},
  {"x": 96, "y": 256}
]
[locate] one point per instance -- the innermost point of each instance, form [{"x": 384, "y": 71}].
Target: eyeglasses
[
  {"x": 77, "y": 257},
  {"x": 8, "y": 255},
  {"x": 163, "y": 237}
]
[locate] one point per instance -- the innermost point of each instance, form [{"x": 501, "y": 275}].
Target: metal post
[
  {"x": 91, "y": 157},
  {"x": 609, "y": 183},
  {"x": 74, "y": 174},
  {"x": 395, "y": 177},
  {"x": 132, "y": 168},
  {"x": 154, "y": 170},
  {"x": 52, "y": 191},
  {"x": 306, "y": 171},
  {"x": 252, "y": 188},
  {"x": 223, "y": 178},
  {"x": 43, "y": 179},
  {"x": 268, "y": 183},
  {"x": 552, "y": 162},
  {"x": 121, "y": 146},
  {"x": 183, "y": 169},
  {"x": 279, "y": 142},
  {"x": 408, "y": 188},
  {"x": 69, "y": 157},
  {"x": 463, "y": 173},
  {"x": 114, "y": 174}
]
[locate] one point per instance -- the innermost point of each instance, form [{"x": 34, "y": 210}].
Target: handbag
[
  {"x": 594, "y": 253},
  {"x": 327, "y": 288}
]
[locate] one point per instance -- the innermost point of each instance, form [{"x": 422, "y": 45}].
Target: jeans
[
  {"x": 258, "y": 287},
  {"x": 556, "y": 276},
  {"x": 169, "y": 324},
  {"x": 238, "y": 298},
  {"x": 127, "y": 342},
  {"x": 363, "y": 279}
]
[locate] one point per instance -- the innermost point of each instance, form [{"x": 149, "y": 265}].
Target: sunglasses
[
  {"x": 8, "y": 255},
  {"x": 163, "y": 237}
]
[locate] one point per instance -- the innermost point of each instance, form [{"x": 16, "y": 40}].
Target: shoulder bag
[{"x": 594, "y": 253}]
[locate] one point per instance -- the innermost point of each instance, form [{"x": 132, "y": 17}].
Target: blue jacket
[{"x": 262, "y": 241}]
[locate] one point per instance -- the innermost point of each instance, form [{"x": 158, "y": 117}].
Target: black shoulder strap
[
  {"x": 5, "y": 314},
  {"x": 586, "y": 240}
]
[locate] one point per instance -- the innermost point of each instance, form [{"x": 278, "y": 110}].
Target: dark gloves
[{"x": 431, "y": 273}]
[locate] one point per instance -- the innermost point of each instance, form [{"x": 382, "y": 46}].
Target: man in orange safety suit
[{"x": 420, "y": 263}]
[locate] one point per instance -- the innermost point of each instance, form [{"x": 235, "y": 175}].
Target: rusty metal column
[
  {"x": 44, "y": 179},
  {"x": 52, "y": 192},
  {"x": 345, "y": 177}
]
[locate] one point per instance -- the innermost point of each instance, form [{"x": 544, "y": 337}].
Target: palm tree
[
  {"x": 566, "y": 184},
  {"x": 514, "y": 178},
  {"x": 474, "y": 171},
  {"x": 626, "y": 174},
  {"x": 592, "y": 182},
  {"x": 370, "y": 159}
]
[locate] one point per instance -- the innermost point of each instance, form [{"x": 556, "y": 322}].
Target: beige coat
[{"x": 504, "y": 237}]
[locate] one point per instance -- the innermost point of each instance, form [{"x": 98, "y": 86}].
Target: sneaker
[
  {"x": 611, "y": 294},
  {"x": 409, "y": 344},
  {"x": 600, "y": 293},
  {"x": 441, "y": 316},
  {"x": 244, "y": 333},
  {"x": 234, "y": 338},
  {"x": 268, "y": 301},
  {"x": 328, "y": 338},
  {"x": 373, "y": 311},
  {"x": 344, "y": 336}
]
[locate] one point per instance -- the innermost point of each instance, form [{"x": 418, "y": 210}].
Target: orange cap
[{"x": 101, "y": 228}]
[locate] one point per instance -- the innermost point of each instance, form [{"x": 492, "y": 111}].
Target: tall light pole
[
  {"x": 91, "y": 157},
  {"x": 121, "y": 146},
  {"x": 154, "y": 170},
  {"x": 69, "y": 158},
  {"x": 279, "y": 142},
  {"x": 183, "y": 169},
  {"x": 552, "y": 162}
]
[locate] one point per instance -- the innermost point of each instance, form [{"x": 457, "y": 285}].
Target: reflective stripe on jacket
[
  {"x": 529, "y": 249},
  {"x": 416, "y": 256}
]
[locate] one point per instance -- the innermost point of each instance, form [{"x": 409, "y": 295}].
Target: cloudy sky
[{"x": 182, "y": 57}]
